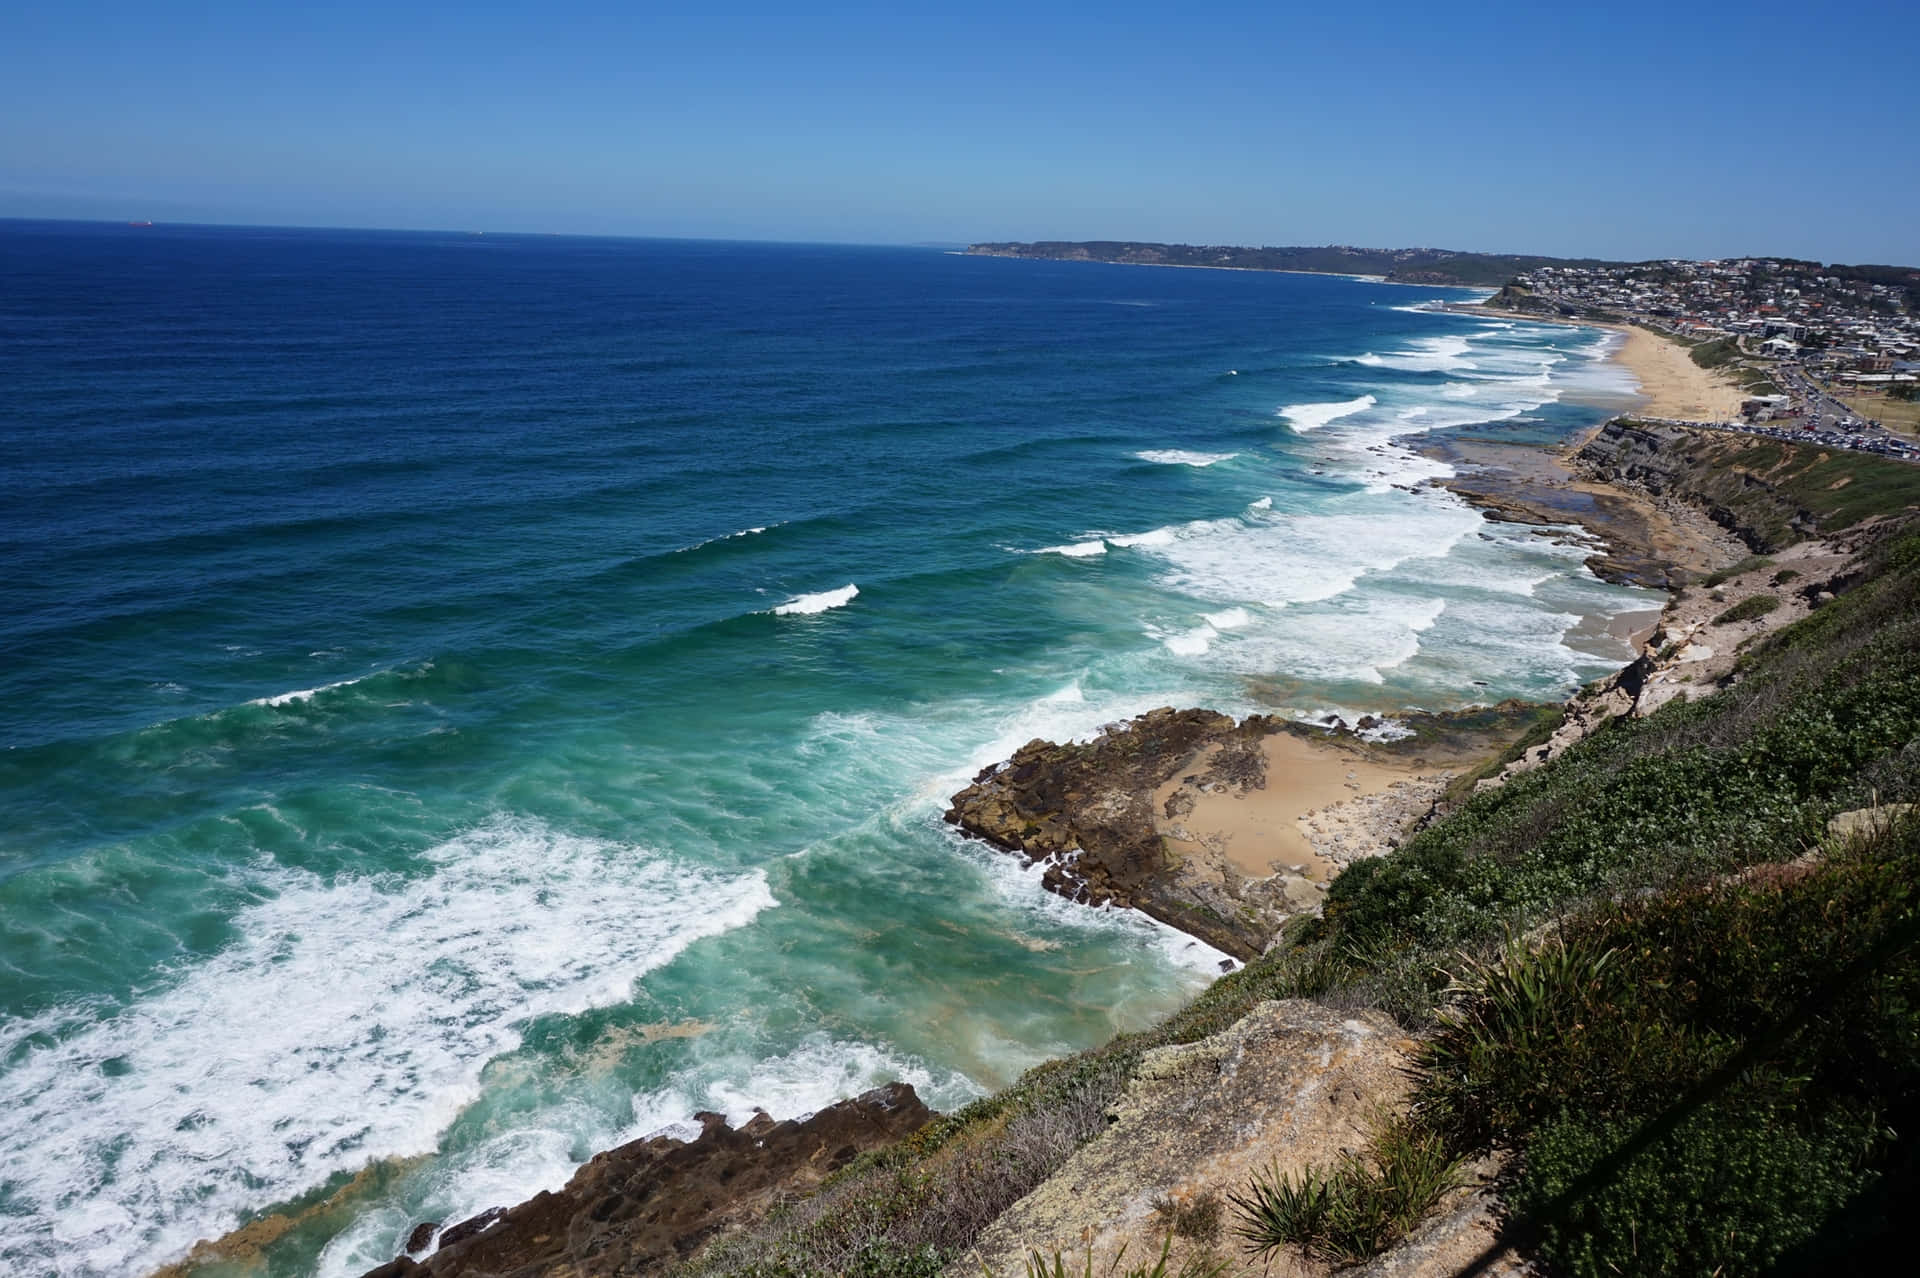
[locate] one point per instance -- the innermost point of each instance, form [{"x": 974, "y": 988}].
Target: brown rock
[
  {"x": 652, "y": 1204},
  {"x": 1088, "y": 809}
]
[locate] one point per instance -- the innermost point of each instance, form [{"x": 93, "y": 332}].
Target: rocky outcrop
[
  {"x": 1743, "y": 483},
  {"x": 1087, "y": 812},
  {"x": 651, "y": 1204},
  {"x": 1696, "y": 648},
  {"x": 1290, "y": 1086}
]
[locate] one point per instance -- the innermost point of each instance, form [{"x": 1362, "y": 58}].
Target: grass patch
[
  {"x": 1723, "y": 575},
  {"x": 1197, "y": 1219},
  {"x": 1774, "y": 492},
  {"x": 1901, "y": 415},
  {"x": 1713, "y": 354},
  {"x": 1700, "y": 1082},
  {"x": 1748, "y": 609},
  {"x": 1357, "y": 1208},
  {"x": 1201, "y": 1266}
]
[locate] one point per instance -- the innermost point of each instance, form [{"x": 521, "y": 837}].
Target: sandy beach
[
  {"x": 1675, "y": 386},
  {"x": 1671, "y": 384},
  {"x": 1257, "y": 830}
]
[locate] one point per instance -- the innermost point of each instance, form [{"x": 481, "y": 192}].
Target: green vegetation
[
  {"x": 1773, "y": 492},
  {"x": 1701, "y": 1046},
  {"x": 1715, "y": 353},
  {"x": 1748, "y": 609},
  {"x": 1039, "y": 1266},
  {"x": 1723, "y": 575},
  {"x": 1702, "y": 1081},
  {"x": 1362, "y": 1206}
]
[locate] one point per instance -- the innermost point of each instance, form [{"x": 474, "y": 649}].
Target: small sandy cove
[{"x": 1301, "y": 821}]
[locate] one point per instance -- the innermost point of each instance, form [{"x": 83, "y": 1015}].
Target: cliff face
[
  {"x": 1769, "y": 493},
  {"x": 1697, "y": 646},
  {"x": 1286, "y": 1088}
]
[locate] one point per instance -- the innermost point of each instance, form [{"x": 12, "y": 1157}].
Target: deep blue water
[{"x": 439, "y": 736}]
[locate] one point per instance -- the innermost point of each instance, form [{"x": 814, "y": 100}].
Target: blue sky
[{"x": 1622, "y": 129}]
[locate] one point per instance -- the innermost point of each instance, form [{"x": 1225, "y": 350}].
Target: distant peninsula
[{"x": 1397, "y": 266}]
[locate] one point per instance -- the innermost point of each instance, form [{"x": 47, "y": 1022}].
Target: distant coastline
[
  {"x": 1441, "y": 268},
  {"x": 974, "y": 251}
]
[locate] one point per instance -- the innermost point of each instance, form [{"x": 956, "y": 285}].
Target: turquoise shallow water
[{"x": 473, "y": 700}]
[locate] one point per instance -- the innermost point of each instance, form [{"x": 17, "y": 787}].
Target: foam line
[
  {"x": 1181, "y": 457},
  {"x": 348, "y": 1021},
  {"x": 808, "y": 605},
  {"x": 1314, "y": 416}
]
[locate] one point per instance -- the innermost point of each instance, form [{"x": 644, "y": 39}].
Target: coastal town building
[{"x": 1796, "y": 333}]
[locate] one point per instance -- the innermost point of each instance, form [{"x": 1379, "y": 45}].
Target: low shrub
[
  {"x": 1748, "y": 609},
  {"x": 1355, "y": 1210},
  {"x": 1728, "y": 1192},
  {"x": 1749, "y": 564},
  {"x": 1703, "y": 1081},
  {"x": 1197, "y": 1266},
  {"x": 1197, "y": 1219}
]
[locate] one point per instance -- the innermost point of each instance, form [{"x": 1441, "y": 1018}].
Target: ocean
[{"x": 470, "y": 700}]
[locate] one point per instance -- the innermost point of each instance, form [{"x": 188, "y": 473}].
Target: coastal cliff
[
  {"x": 1769, "y": 493},
  {"x": 1713, "y": 851}
]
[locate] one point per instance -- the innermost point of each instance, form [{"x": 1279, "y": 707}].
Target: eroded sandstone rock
[{"x": 650, "y": 1204}]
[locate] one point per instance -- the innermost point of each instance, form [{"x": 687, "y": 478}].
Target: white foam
[
  {"x": 348, "y": 1020},
  {"x": 1314, "y": 416},
  {"x": 1230, "y": 619},
  {"x": 1019, "y": 886},
  {"x": 1076, "y": 550},
  {"x": 1191, "y": 643},
  {"x": 1385, "y": 730},
  {"x": 1355, "y": 637},
  {"x": 732, "y": 536},
  {"x": 1146, "y": 540},
  {"x": 306, "y": 694},
  {"x": 1285, "y": 559},
  {"x": 1069, "y": 695},
  {"x": 1181, "y": 457},
  {"x": 808, "y": 605},
  {"x": 821, "y": 1071},
  {"x": 1425, "y": 355},
  {"x": 1260, "y": 503},
  {"x": 814, "y": 1074}
]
